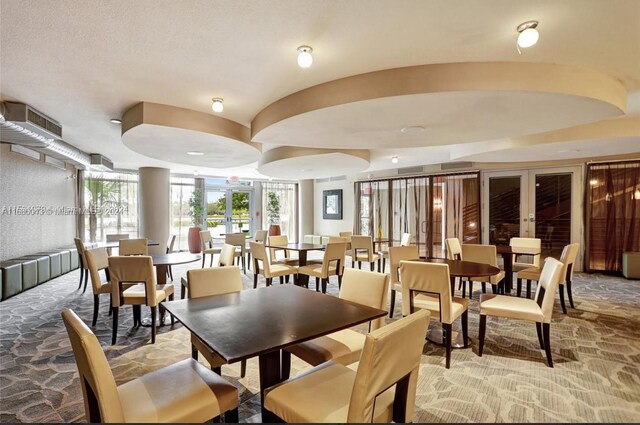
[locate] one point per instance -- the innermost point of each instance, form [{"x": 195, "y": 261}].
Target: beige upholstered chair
[
  {"x": 239, "y": 241},
  {"x": 206, "y": 246},
  {"x": 427, "y": 286},
  {"x": 397, "y": 254},
  {"x": 330, "y": 239},
  {"x": 525, "y": 243},
  {"x": 348, "y": 236},
  {"x": 568, "y": 259},
  {"x": 133, "y": 247},
  {"x": 405, "y": 240},
  {"x": 196, "y": 394},
  {"x": 538, "y": 310},
  {"x": 283, "y": 241},
  {"x": 170, "y": 246},
  {"x": 227, "y": 255},
  {"x": 84, "y": 269},
  {"x": 207, "y": 282},
  {"x": 345, "y": 346},
  {"x": 260, "y": 237},
  {"x": 383, "y": 389},
  {"x": 484, "y": 254},
  {"x": 97, "y": 259},
  {"x": 136, "y": 269},
  {"x": 332, "y": 265},
  {"x": 454, "y": 249},
  {"x": 362, "y": 250},
  {"x": 268, "y": 270}
]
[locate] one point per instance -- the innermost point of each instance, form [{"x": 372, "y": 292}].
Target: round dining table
[{"x": 457, "y": 268}]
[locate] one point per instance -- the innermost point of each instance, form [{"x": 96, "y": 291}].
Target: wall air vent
[
  {"x": 24, "y": 125},
  {"x": 411, "y": 170},
  {"x": 455, "y": 165},
  {"x": 337, "y": 178},
  {"x": 100, "y": 163}
]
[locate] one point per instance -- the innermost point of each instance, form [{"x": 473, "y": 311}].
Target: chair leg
[
  {"x": 384, "y": 264},
  {"x": 446, "y": 327},
  {"x": 173, "y": 319},
  {"x": 110, "y": 304},
  {"x": 286, "y": 364},
  {"x": 483, "y": 328},
  {"x": 518, "y": 287},
  {"x": 171, "y": 273},
  {"x": 255, "y": 279},
  {"x": 115, "y": 325},
  {"x": 286, "y": 279},
  {"x": 561, "y": 291},
  {"x": 244, "y": 265},
  {"x": 494, "y": 288},
  {"x": 372, "y": 266},
  {"x": 470, "y": 288},
  {"x": 339, "y": 281},
  {"x": 465, "y": 328},
  {"x": 81, "y": 276},
  {"x": 86, "y": 279},
  {"x": 183, "y": 291},
  {"x": 154, "y": 312},
  {"x": 529, "y": 288},
  {"x": 464, "y": 288},
  {"x": 539, "y": 332},
  {"x": 136, "y": 315},
  {"x": 96, "y": 306},
  {"x": 217, "y": 370},
  {"x": 269, "y": 281},
  {"x": 392, "y": 305},
  {"x": 547, "y": 343},
  {"x": 243, "y": 368},
  {"x": 484, "y": 288},
  {"x": 194, "y": 352},
  {"x": 203, "y": 257},
  {"x": 569, "y": 293},
  {"x": 249, "y": 260},
  {"x": 281, "y": 280},
  {"x": 211, "y": 262},
  {"x": 360, "y": 265},
  {"x": 324, "y": 285},
  {"x": 231, "y": 416}
]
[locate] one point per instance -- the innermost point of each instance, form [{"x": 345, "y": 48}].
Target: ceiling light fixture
[
  {"x": 217, "y": 105},
  {"x": 115, "y": 121},
  {"x": 394, "y": 159},
  {"x": 528, "y": 35},
  {"x": 195, "y": 153},
  {"x": 304, "y": 56}
]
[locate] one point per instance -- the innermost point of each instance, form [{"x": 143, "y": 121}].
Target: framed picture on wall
[{"x": 332, "y": 204}]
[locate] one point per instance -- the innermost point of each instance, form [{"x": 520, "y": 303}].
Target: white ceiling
[{"x": 83, "y": 63}]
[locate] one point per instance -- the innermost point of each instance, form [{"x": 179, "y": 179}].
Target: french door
[
  {"x": 539, "y": 203},
  {"x": 229, "y": 211}
]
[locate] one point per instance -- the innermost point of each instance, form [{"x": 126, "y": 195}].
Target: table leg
[
  {"x": 434, "y": 334},
  {"x": 508, "y": 271},
  {"x": 303, "y": 279},
  {"x": 270, "y": 374},
  {"x": 161, "y": 274}
]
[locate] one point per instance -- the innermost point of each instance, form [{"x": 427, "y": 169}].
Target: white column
[
  {"x": 154, "y": 186},
  {"x": 305, "y": 208}
]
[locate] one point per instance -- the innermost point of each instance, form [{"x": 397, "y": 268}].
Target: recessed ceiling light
[
  {"x": 394, "y": 159},
  {"x": 527, "y": 35},
  {"x": 216, "y": 104},
  {"x": 115, "y": 121},
  {"x": 305, "y": 59},
  {"x": 412, "y": 130},
  {"x": 195, "y": 153}
]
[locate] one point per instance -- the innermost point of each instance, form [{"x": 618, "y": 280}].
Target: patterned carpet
[{"x": 596, "y": 350}]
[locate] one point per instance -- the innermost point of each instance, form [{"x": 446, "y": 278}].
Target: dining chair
[
  {"x": 97, "y": 259},
  {"x": 227, "y": 255},
  {"x": 428, "y": 287},
  {"x": 280, "y": 241},
  {"x": 484, "y": 254},
  {"x": 239, "y": 242},
  {"x": 261, "y": 237},
  {"x": 332, "y": 265},
  {"x": 348, "y": 236},
  {"x": 382, "y": 389},
  {"x": 139, "y": 270},
  {"x": 568, "y": 259},
  {"x": 133, "y": 247},
  {"x": 525, "y": 243},
  {"x": 362, "y": 250},
  {"x": 360, "y": 287},
  {"x": 538, "y": 310},
  {"x": 330, "y": 239},
  {"x": 405, "y": 240},
  {"x": 115, "y": 237},
  {"x": 397, "y": 254},
  {"x": 84, "y": 269},
  {"x": 205, "y": 283},
  {"x": 185, "y": 391},
  {"x": 454, "y": 248},
  {"x": 268, "y": 270},
  {"x": 170, "y": 246},
  {"x": 206, "y": 246}
]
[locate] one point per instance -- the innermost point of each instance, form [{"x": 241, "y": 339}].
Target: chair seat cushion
[
  {"x": 428, "y": 302},
  {"x": 517, "y": 266},
  {"x": 214, "y": 250},
  {"x": 316, "y": 270},
  {"x": 280, "y": 270},
  {"x": 212, "y": 358},
  {"x": 494, "y": 280},
  {"x": 105, "y": 288},
  {"x": 136, "y": 293},
  {"x": 365, "y": 257},
  {"x": 343, "y": 346},
  {"x": 322, "y": 395},
  {"x": 532, "y": 273},
  {"x": 513, "y": 307},
  {"x": 183, "y": 392},
  {"x": 286, "y": 261}
]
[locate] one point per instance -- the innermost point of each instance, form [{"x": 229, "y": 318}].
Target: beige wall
[
  {"x": 333, "y": 227},
  {"x": 29, "y": 183}
]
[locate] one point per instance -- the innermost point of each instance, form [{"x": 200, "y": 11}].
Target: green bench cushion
[
  {"x": 65, "y": 260},
  {"x": 44, "y": 268},
  {"x": 54, "y": 263},
  {"x": 75, "y": 259},
  {"x": 11, "y": 278}
]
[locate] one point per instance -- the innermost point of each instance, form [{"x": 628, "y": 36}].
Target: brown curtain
[{"x": 612, "y": 213}]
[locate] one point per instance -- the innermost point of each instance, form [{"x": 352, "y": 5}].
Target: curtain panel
[{"x": 287, "y": 195}]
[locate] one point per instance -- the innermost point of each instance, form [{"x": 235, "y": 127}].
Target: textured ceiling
[{"x": 85, "y": 62}]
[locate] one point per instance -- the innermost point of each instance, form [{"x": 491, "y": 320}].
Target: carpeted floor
[{"x": 596, "y": 350}]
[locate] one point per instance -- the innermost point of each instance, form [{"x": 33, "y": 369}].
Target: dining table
[
  {"x": 507, "y": 252},
  {"x": 116, "y": 244},
  {"x": 302, "y": 249},
  {"x": 262, "y": 322}
]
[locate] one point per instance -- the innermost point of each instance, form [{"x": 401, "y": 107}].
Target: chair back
[
  {"x": 360, "y": 243},
  {"x": 484, "y": 254},
  {"x": 400, "y": 253},
  {"x": 236, "y": 239},
  {"x": 81, "y": 249},
  {"x": 261, "y": 236},
  {"x": 406, "y": 239},
  {"x": 547, "y": 286},
  {"x": 337, "y": 239},
  {"x": 227, "y": 255},
  {"x": 259, "y": 254},
  {"x": 171, "y": 243},
  {"x": 431, "y": 279},
  {"x": 132, "y": 269},
  {"x": 115, "y": 237},
  {"x": 454, "y": 249},
  {"x": 346, "y": 235},
  {"x": 213, "y": 281},
  {"x": 527, "y": 243},
  {"x": 99, "y": 390},
  {"x": 568, "y": 259},
  {"x": 366, "y": 288},
  {"x": 334, "y": 254},
  {"x": 133, "y": 247},
  {"x": 390, "y": 356},
  {"x": 279, "y": 240},
  {"x": 206, "y": 241},
  {"x": 97, "y": 259}
]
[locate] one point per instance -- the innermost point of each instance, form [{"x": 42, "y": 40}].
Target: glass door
[
  {"x": 505, "y": 206},
  {"x": 229, "y": 211},
  {"x": 217, "y": 217}
]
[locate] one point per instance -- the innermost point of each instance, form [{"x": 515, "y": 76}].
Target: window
[
  {"x": 285, "y": 196},
  {"x": 181, "y": 191},
  {"x": 111, "y": 202}
]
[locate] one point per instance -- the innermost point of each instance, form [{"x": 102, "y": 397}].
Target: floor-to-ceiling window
[
  {"x": 181, "y": 191},
  {"x": 111, "y": 204},
  {"x": 285, "y": 197}
]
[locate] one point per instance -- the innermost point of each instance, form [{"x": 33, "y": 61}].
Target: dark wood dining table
[
  {"x": 507, "y": 252},
  {"x": 302, "y": 249},
  {"x": 261, "y": 322}
]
